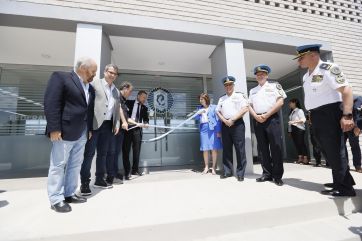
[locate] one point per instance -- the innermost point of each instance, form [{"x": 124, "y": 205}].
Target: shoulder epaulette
[{"x": 325, "y": 66}]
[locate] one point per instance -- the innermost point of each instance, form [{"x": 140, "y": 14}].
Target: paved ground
[{"x": 184, "y": 205}]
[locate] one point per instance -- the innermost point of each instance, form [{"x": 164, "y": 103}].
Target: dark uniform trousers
[
  {"x": 355, "y": 148},
  {"x": 234, "y": 135},
  {"x": 269, "y": 137},
  {"x": 328, "y": 133},
  {"x": 132, "y": 138},
  {"x": 317, "y": 153}
]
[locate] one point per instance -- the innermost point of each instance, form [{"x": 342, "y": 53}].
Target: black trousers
[
  {"x": 355, "y": 148},
  {"x": 328, "y": 133},
  {"x": 269, "y": 137},
  {"x": 132, "y": 138},
  {"x": 299, "y": 142},
  {"x": 234, "y": 136},
  {"x": 317, "y": 152}
]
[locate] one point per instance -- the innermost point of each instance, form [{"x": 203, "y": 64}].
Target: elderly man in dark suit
[
  {"x": 68, "y": 107},
  {"x": 106, "y": 122},
  {"x": 138, "y": 115}
]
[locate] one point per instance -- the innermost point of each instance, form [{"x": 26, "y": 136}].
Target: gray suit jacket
[{"x": 100, "y": 105}]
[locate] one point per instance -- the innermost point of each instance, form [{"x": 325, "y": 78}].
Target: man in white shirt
[
  {"x": 106, "y": 122},
  {"x": 231, "y": 108},
  {"x": 266, "y": 99},
  {"x": 329, "y": 98}
]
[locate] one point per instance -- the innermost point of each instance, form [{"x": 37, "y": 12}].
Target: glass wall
[{"x": 24, "y": 148}]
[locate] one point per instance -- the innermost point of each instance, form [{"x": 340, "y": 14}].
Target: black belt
[
  {"x": 261, "y": 113},
  {"x": 323, "y": 107}
]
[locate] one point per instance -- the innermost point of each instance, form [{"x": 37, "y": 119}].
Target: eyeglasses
[{"x": 112, "y": 73}]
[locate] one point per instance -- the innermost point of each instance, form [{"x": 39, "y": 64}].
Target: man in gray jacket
[{"x": 106, "y": 122}]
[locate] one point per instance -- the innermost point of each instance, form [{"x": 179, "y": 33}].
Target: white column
[
  {"x": 228, "y": 59},
  {"x": 92, "y": 42}
]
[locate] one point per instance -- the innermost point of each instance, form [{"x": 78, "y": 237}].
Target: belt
[
  {"x": 261, "y": 113},
  {"x": 326, "y": 106}
]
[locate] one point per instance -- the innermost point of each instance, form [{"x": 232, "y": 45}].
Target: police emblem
[
  {"x": 160, "y": 100},
  {"x": 335, "y": 70},
  {"x": 340, "y": 79},
  {"x": 317, "y": 78}
]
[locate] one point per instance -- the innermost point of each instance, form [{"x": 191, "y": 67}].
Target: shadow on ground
[
  {"x": 317, "y": 187},
  {"x": 3, "y": 203}
]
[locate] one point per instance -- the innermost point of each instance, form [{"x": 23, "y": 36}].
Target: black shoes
[
  {"x": 240, "y": 178},
  {"x": 137, "y": 173},
  {"x": 114, "y": 180},
  {"x": 75, "y": 199},
  {"x": 278, "y": 182},
  {"x": 109, "y": 180},
  {"x": 100, "y": 183},
  {"x": 264, "y": 179},
  {"x": 61, "y": 207},
  {"x": 223, "y": 176},
  {"x": 328, "y": 192},
  {"x": 330, "y": 185},
  {"x": 336, "y": 193},
  {"x": 351, "y": 193},
  {"x": 85, "y": 190}
]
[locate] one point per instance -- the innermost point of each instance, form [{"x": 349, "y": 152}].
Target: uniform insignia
[
  {"x": 325, "y": 66},
  {"x": 336, "y": 70},
  {"x": 317, "y": 78},
  {"x": 279, "y": 87},
  {"x": 340, "y": 79},
  {"x": 281, "y": 93}
]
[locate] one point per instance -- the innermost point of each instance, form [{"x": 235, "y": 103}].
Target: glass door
[{"x": 170, "y": 100}]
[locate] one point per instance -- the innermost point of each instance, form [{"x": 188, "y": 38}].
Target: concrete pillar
[
  {"x": 92, "y": 42},
  {"x": 228, "y": 59}
]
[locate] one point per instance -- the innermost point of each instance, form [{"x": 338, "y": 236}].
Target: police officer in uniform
[
  {"x": 231, "y": 108},
  {"x": 266, "y": 99},
  {"x": 329, "y": 98}
]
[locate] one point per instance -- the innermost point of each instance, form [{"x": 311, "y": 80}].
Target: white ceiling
[
  {"x": 36, "y": 46},
  {"x": 44, "y": 47}
]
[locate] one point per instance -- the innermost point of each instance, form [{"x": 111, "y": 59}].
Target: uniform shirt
[
  {"x": 229, "y": 106},
  {"x": 110, "y": 105},
  {"x": 320, "y": 87},
  {"x": 296, "y": 115},
  {"x": 264, "y": 97}
]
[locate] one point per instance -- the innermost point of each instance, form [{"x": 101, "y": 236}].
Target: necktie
[{"x": 138, "y": 113}]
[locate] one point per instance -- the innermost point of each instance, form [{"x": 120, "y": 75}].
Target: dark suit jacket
[
  {"x": 357, "y": 113},
  {"x": 143, "y": 112},
  {"x": 65, "y": 106}
]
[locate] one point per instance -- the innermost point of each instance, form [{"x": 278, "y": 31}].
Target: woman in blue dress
[{"x": 210, "y": 132}]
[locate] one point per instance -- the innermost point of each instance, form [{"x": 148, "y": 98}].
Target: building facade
[{"x": 182, "y": 47}]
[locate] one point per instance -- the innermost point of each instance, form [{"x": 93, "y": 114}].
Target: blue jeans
[
  {"x": 65, "y": 161},
  {"x": 114, "y": 152},
  {"x": 100, "y": 139}
]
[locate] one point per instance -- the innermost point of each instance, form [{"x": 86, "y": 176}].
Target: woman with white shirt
[
  {"x": 210, "y": 132},
  {"x": 296, "y": 129}
]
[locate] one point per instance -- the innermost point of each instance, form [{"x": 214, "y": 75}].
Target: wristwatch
[{"x": 348, "y": 116}]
